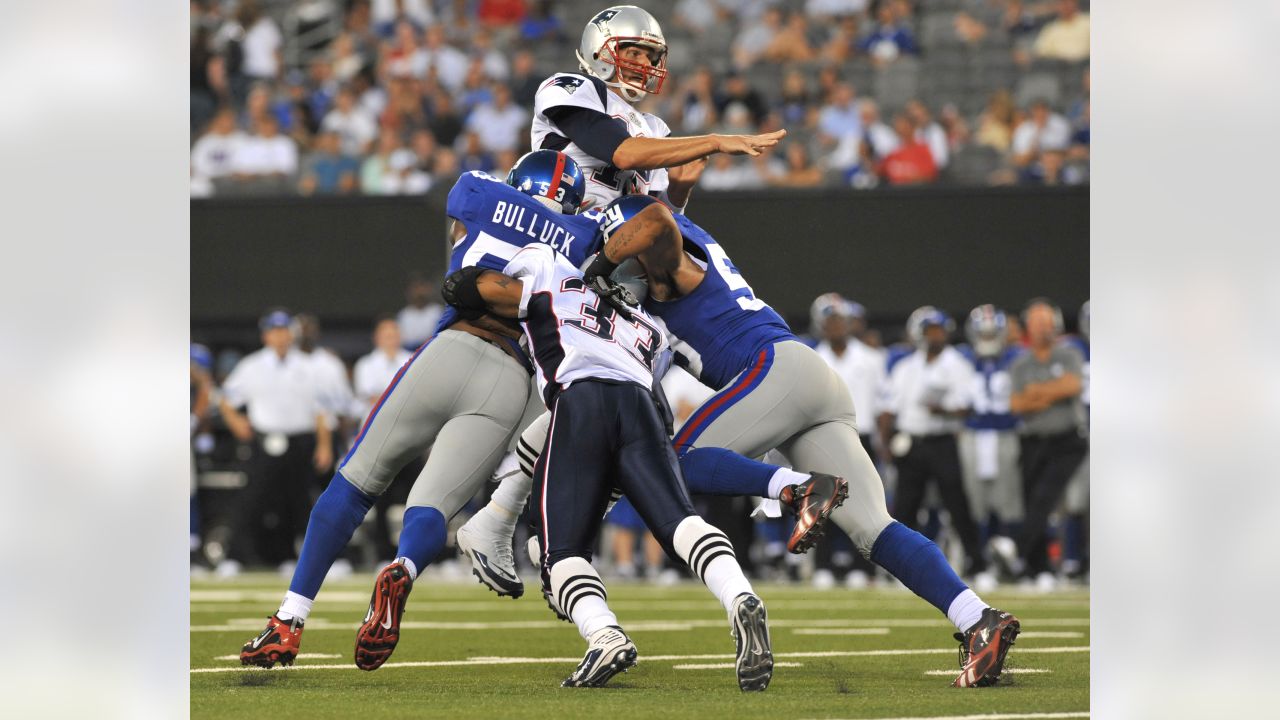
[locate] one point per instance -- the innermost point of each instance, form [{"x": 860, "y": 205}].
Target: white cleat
[
  {"x": 751, "y": 633},
  {"x": 492, "y": 561},
  {"x": 609, "y": 652}
]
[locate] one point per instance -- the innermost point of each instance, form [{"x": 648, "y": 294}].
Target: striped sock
[
  {"x": 710, "y": 555},
  {"x": 580, "y": 593}
]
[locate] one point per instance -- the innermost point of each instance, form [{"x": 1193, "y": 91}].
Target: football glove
[{"x": 460, "y": 291}]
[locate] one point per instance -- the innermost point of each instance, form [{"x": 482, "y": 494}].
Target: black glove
[
  {"x": 616, "y": 295},
  {"x": 600, "y": 266},
  {"x": 460, "y": 291}
]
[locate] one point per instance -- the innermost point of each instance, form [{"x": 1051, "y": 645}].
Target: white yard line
[
  {"x": 1043, "y": 634},
  {"x": 321, "y": 623},
  {"x": 643, "y": 658},
  {"x": 301, "y": 656},
  {"x": 727, "y": 666},
  {"x": 1014, "y": 671},
  {"x": 840, "y": 631},
  {"x": 998, "y": 716}
]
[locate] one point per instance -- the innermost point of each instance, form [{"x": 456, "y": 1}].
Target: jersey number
[
  {"x": 628, "y": 182},
  {"x": 601, "y": 322},
  {"x": 733, "y": 279}
]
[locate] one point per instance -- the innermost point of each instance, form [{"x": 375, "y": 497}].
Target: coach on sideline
[
  {"x": 1046, "y": 394},
  {"x": 291, "y": 441}
]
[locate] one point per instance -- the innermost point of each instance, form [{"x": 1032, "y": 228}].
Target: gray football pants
[
  {"x": 1001, "y": 493},
  {"x": 461, "y": 396},
  {"x": 788, "y": 399}
]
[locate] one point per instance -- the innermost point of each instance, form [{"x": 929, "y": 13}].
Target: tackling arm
[{"x": 475, "y": 291}]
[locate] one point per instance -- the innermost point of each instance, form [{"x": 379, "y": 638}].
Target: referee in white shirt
[
  {"x": 373, "y": 374},
  {"x": 929, "y": 391},
  {"x": 291, "y": 442},
  {"x": 832, "y": 322}
]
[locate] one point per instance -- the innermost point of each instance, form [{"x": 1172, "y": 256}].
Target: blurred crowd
[
  {"x": 979, "y": 431},
  {"x": 384, "y": 97}
]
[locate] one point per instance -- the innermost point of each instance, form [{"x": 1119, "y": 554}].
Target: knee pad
[
  {"x": 572, "y": 579},
  {"x": 697, "y": 542}
]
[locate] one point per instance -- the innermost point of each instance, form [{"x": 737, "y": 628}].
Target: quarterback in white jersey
[{"x": 589, "y": 116}]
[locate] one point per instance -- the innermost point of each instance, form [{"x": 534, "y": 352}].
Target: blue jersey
[
  {"x": 501, "y": 220},
  {"x": 994, "y": 387},
  {"x": 721, "y": 325}
]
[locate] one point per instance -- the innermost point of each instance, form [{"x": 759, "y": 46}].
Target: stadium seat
[
  {"x": 898, "y": 82},
  {"x": 1038, "y": 86}
]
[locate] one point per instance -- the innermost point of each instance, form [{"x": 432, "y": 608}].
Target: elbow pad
[{"x": 460, "y": 291}]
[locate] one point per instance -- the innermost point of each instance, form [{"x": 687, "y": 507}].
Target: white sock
[
  {"x": 294, "y": 606},
  {"x": 510, "y": 497},
  {"x": 966, "y": 610},
  {"x": 784, "y": 477},
  {"x": 710, "y": 555},
  {"x": 408, "y": 565},
  {"x": 579, "y": 591}
]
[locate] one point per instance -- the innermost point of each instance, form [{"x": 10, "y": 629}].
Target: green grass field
[{"x": 465, "y": 653}]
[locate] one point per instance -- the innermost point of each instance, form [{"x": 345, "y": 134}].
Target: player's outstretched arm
[
  {"x": 474, "y": 292},
  {"x": 641, "y": 153}
]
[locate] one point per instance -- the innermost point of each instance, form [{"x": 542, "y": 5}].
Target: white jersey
[
  {"x": 604, "y": 181},
  {"x": 863, "y": 370},
  {"x": 572, "y": 333}
]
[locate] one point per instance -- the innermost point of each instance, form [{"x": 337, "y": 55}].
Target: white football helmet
[
  {"x": 599, "y": 53},
  {"x": 987, "y": 330},
  {"x": 923, "y": 316}
]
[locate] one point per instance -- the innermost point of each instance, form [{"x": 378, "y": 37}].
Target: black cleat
[
  {"x": 983, "y": 648},
  {"x": 751, "y": 633}
]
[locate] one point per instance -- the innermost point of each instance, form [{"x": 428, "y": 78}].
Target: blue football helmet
[
  {"x": 987, "y": 330},
  {"x": 923, "y": 317},
  {"x": 551, "y": 177}
]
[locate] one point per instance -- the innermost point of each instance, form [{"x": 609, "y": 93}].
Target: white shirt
[
  {"x": 212, "y": 155},
  {"x": 936, "y": 138},
  {"x": 450, "y": 63},
  {"x": 498, "y": 129},
  {"x": 264, "y": 156},
  {"x": 604, "y": 182},
  {"x": 283, "y": 395},
  {"x": 863, "y": 370},
  {"x": 419, "y": 11},
  {"x": 260, "y": 45},
  {"x": 355, "y": 129},
  {"x": 573, "y": 334},
  {"x": 373, "y": 374},
  {"x": 1055, "y": 135},
  {"x": 914, "y": 384},
  {"x": 334, "y": 388},
  {"x": 417, "y": 324}
]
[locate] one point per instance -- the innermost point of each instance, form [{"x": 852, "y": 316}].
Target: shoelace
[
  {"x": 506, "y": 557},
  {"x": 964, "y": 649}
]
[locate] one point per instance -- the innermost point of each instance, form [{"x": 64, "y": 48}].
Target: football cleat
[
  {"x": 377, "y": 637},
  {"x": 983, "y": 648},
  {"x": 751, "y": 633},
  {"x": 277, "y": 644},
  {"x": 812, "y": 500},
  {"x": 492, "y": 561},
  {"x": 609, "y": 653}
]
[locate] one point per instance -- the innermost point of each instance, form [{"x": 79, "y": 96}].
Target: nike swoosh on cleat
[
  {"x": 257, "y": 642},
  {"x": 386, "y": 624},
  {"x": 484, "y": 562}
]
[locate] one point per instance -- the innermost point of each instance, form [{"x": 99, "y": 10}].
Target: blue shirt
[
  {"x": 993, "y": 391},
  {"x": 721, "y": 324}
]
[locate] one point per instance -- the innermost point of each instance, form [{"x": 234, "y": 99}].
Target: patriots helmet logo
[
  {"x": 604, "y": 17},
  {"x": 568, "y": 82}
]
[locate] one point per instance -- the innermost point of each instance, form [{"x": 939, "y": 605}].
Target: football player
[
  {"x": 596, "y": 371},
  {"x": 776, "y": 392}
]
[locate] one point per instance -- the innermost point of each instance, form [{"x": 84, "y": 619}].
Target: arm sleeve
[
  {"x": 599, "y": 135},
  {"x": 532, "y": 266}
]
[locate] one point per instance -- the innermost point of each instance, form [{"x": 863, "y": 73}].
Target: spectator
[
  {"x": 795, "y": 106},
  {"x": 266, "y": 154},
  {"x": 449, "y": 63},
  {"x": 404, "y": 112},
  {"x": 446, "y": 167},
  {"x": 878, "y": 138},
  {"x": 524, "y": 78},
  {"x": 327, "y": 171},
  {"x": 725, "y": 173},
  {"x": 755, "y": 39},
  {"x": 262, "y": 41},
  {"x": 1045, "y": 170},
  {"x": 404, "y": 57},
  {"x": 445, "y": 124},
  {"x": 354, "y": 126},
  {"x": 477, "y": 89},
  {"x": 698, "y": 110},
  {"x": 257, "y": 105},
  {"x": 501, "y": 13},
  {"x": 791, "y": 43},
  {"x": 737, "y": 90},
  {"x": 473, "y": 155},
  {"x": 540, "y": 24},
  {"x": 494, "y": 62},
  {"x": 418, "y": 319},
  {"x": 320, "y": 90},
  {"x": 1066, "y": 37},
  {"x": 346, "y": 62},
  {"x": 213, "y": 155},
  {"x": 383, "y": 172},
  {"x": 996, "y": 124},
  {"x": 929, "y": 132},
  {"x": 912, "y": 162},
  {"x": 1042, "y": 130},
  {"x": 385, "y": 15},
  {"x": 840, "y": 117},
  {"x": 825, "y": 10},
  {"x": 955, "y": 127},
  {"x": 889, "y": 39},
  {"x": 799, "y": 170},
  {"x": 842, "y": 41},
  {"x": 969, "y": 29},
  {"x": 418, "y": 180},
  {"x": 697, "y": 16}
]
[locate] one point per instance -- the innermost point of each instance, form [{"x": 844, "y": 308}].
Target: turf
[{"x": 457, "y": 621}]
